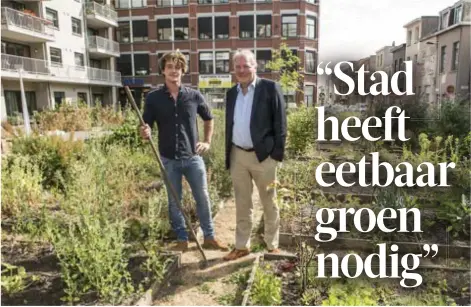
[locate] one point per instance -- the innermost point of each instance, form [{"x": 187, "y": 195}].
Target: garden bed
[
  {"x": 44, "y": 284},
  {"x": 283, "y": 280}
]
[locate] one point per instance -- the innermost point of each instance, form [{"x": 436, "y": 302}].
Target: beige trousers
[{"x": 245, "y": 167}]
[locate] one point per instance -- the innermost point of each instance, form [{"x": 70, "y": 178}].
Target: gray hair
[{"x": 247, "y": 54}]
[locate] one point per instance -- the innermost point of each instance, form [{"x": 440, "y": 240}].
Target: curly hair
[{"x": 176, "y": 57}]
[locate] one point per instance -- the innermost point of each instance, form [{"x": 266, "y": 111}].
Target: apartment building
[
  {"x": 208, "y": 32},
  {"x": 452, "y": 42},
  {"x": 64, "y": 50},
  {"x": 384, "y": 59},
  {"x": 398, "y": 57}
]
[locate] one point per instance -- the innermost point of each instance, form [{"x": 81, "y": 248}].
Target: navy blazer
[{"x": 267, "y": 121}]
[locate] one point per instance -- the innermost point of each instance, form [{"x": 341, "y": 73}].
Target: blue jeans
[{"x": 194, "y": 171}]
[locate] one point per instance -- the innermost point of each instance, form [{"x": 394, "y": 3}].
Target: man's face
[
  {"x": 173, "y": 72},
  {"x": 245, "y": 71}
]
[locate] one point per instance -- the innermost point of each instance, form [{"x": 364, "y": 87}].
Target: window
[
  {"x": 139, "y": 30},
  {"x": 222, "y": 62},
  {"x": 442, "y": 59},
  {"x": 14, "y": 105},
  {"x": 164, "y": 29},
  {"x": 92, "y": 32},
  {"x": 263, "y": 57},
  {"x": 79, "y": 60},
  {"x": 82, "y": 97},
  {"x": 16, "y": 49},
  {"x": 263, "y": 25},
  {"x": 311, "y": 58},
  {"x": 95, "y": 63},
  {"x": 59, "y": 97},
  {"x": 180, "y": 2},
  {"x": 246, "y": 26},
  {"x": 180, "y": 28},
  {"x": 76, "y": 26},
  {"x": 56, "y": 55},
  {"x": 395, "y": 65},
  {"x": 311, "y": 27},
  {"x": 124, "y": 65},
  {"x": 457, "y": 14},
  {"x": 444, "y": 20},
  {"x": 205, "y": 28},
  {"x": 221, "y": 25},
  {"x": 123, "y": 33},
  {"x": 124, "y": 4},
  {"x": 454, "y": 59},
  {"x": 309, "y": 95},
  {"x": 409, "y": 37},
  {"x": 164, "y": 2},
  {"x": 415, "y": 58},
  {"x": 206, "y": 63},
  {"x": 52, "y": 16},
  {"x": 205, "y": 1},
  {"x": 141, "y": 64},
  {"x": 289, "y": 25}
]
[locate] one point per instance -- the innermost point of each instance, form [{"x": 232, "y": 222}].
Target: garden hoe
[{"x": 165, "y": 175}]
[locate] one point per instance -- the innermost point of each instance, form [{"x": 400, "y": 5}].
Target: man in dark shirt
[{"x": 174, "y": 108}]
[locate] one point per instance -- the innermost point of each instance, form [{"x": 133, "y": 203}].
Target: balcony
[
  {"x": 100, "y": 47},
  {"x": 37, "y": 70},
  {"x": 100, "y": 16},
  {"x": 23, "y": 27}
]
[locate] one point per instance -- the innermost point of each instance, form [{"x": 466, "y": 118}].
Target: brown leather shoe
[
  {"x": 236, "y": 254},
  {"x": 274, "y": 251},
  {"x": 214, "y": 244},
  {"x": 180, "y": 246}
]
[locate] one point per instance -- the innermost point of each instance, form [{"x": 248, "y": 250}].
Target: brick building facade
[{"x": 208, "y": 32}]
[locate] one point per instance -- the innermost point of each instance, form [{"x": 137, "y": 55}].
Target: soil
[
  {"x": 195, "y": 286},
  {"x": 38, "y": 259}
]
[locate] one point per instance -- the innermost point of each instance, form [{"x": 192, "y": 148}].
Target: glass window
[
  {"x": 123, "y": 33},
  {"x": 79, "y": 60},
  {"x": 164, "y": 29},
  {"x": 311, "y": 27},
  {"x": 180, "y": 28},
  {"x": 124, "y": 65},
  {"x": 246, "y": 26},
  {"x": 56, "y": 55},
  {"x": 139, "y": 30},
  {"x": 76, "y": 26},
  {"x": 205, "y": 27},
  {"x": 222, "y": 62},
  {"x": 141, "y": 64},
  {"x": 289, "y": 25},
  {"x": 263, "y": 25},
  {"x": 206, "y": 63},
  {"x": 52, "y": 16},
  {"x": 309, "y": 95},
  {"x": 263, "y": 57},
  {"x": 221, "y": 27},
  {"x": 311, "y": 58}
]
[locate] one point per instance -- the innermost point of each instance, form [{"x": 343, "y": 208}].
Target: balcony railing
[
  {"x": 26, "y": 21},
  {"x": 103, "y": 43},
  {"x": 103, "y": 10},
  {"x": 69, "y": 72}
]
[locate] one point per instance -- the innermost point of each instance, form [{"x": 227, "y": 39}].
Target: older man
[{"x": 255, "y": 144}]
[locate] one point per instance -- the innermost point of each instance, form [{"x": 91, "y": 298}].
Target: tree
[{"x": 288, "y": 67}]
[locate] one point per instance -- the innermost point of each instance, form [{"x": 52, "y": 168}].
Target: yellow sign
[{"x": 215, "y": 81}]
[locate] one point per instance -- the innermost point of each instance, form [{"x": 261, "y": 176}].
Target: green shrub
[
  {"x": 52, "y": 155},
  {"x": 301, "y": 130},
  {"x": 452, "y": 118},
  {"x": 266, "y": 289}
]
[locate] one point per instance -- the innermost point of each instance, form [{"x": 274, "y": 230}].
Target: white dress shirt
[{"x": 242, "y": 112}]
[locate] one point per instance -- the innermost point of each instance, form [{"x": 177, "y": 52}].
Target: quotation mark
[
  {"x": 427, "y": 248},
  {"x": 320, "y": 71}
]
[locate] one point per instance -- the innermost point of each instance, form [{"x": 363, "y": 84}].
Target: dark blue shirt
[{"x": 176, "y": 121}]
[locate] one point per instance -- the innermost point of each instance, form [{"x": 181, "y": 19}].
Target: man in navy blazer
[{"x": 255, "y": 145}]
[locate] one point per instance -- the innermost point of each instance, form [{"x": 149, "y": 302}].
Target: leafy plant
[
  {"x": 301, "y": 130},
  {"x": 456, "y": 214},
  {"x": 15, "y": 279},
  {"x": 266, "y": 289}
]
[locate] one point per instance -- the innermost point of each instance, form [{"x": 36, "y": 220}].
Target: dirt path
[{"x": 217, "y": 284}]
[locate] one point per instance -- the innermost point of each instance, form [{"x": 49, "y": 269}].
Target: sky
[{"x": 353, "y": 29}]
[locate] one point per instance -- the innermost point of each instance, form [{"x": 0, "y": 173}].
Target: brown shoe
[
  {"x": 236, "y": 254},
  {"x": 274, "y": 251},
  {"x": 180, "y": 246},
  {"x": 214, "y": 244}
]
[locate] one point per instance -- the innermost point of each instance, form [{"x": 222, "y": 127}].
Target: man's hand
[
  {"x": 145, "y": 132},
  {"x": 202, "y": 147}
]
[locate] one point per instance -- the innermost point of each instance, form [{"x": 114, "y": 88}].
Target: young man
[
  {"x": 174, "y": 108},
  {"x": 255, "y": 144}
]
